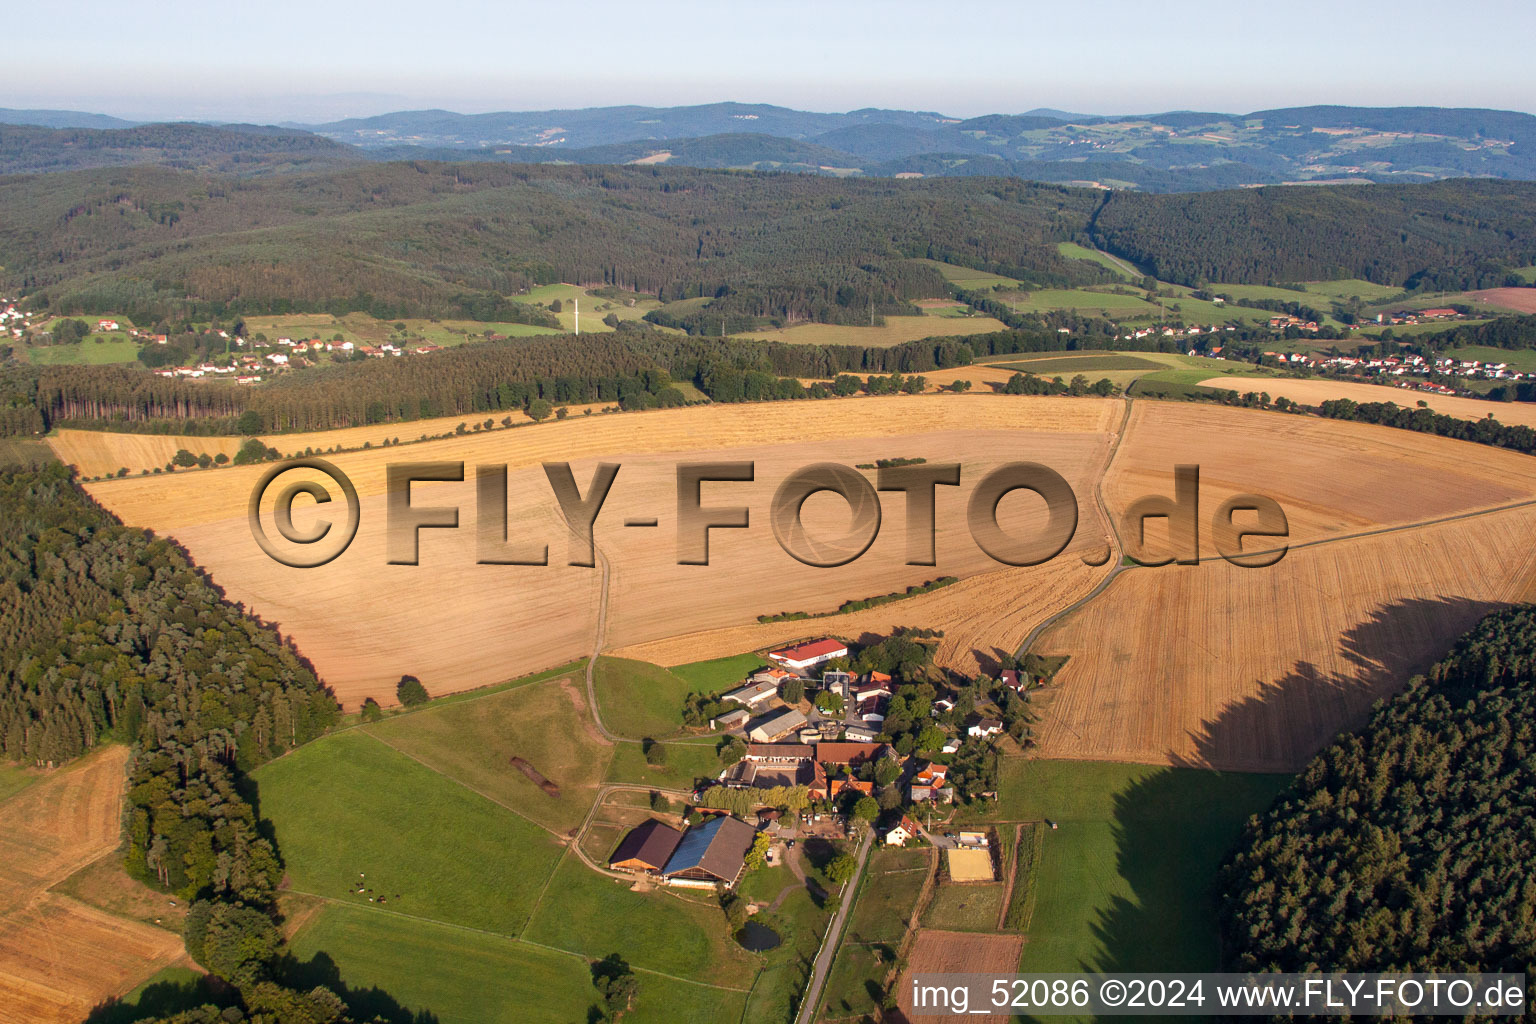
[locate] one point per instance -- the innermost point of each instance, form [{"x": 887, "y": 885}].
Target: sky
[{"x": 285, "y": 60}]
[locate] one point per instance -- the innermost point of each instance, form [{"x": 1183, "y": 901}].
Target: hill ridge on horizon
[{"x": 1174, "y": 151}]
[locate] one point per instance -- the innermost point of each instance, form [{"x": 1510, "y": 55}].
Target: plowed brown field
[{"x": 936, "y": 952}]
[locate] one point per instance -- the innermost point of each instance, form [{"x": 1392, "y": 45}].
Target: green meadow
[
  {"x": 1126, "y": 881},
  {"x": 347, "y": 809}
]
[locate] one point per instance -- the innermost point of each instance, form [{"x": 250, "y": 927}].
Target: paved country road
[{"x": 834, "y": 936}]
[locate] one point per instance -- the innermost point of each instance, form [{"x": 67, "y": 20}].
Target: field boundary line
[
  {"x": 506, "y": 938},
  {"x": 461, "y": 783}
]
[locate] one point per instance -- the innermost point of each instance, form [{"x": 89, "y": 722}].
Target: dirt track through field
[{"x": 59, "y": 957}]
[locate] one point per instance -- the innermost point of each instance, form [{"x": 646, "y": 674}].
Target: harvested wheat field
[
  {"x": 59, "y": 957},
  {"x": 1332, "y": 478},
  {"x": 936, "y": 952},
  {"x": 982, "y": 617},
  {"x": 1256, "y": 669},
  {"x": 1314, "y": 392},
  {"x": 458, "y": 625},
  {"x": 102, "y": 453}
]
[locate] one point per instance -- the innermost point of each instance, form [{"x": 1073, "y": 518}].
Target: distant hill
[
  {"x": 233, "y": 149},
  {"x": 1174, "y": 151},
  {"x": 62, "y": 119},
  {"x": 600, "y": 126}
]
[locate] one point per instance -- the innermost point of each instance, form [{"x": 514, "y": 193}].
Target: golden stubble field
[
  {"x": 1255, "y": 669},
  {"x": 1213, "y": 664},
  {"x": 459, "y": 625},
  {"x": 1313, "y": 392},
  {"x": 60, "y": 957}
]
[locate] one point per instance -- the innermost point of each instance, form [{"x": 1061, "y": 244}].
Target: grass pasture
[
  {"x": 1109, "y": 304},
  {"x": 965, "y": 907},
  {"x": 897, "y": 330},
  {"x": 1073, "y": 251},
  {"x": 639, "y": 699},
  {"x": 1053, "y": 364},
  {"x": 471, "y": 978},
  {"x": 594, "y": 915},
  {"x": 969, "y": 279},
  {"x": 362, "y": 329},
  {"x": 686, "y": 763},
  {"x": 473, "y": 741},
  {"x": 349, "y": 809},
  {"x": 1126, "y": 880},
  {"x": 888, "y": 895},
  {"x": 96, "y": 350}
]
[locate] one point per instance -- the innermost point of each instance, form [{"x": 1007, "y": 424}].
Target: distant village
[{"x": 824, "y": 762}]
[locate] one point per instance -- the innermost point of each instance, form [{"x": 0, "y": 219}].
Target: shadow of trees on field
[
  {"x": 1175, "y": 827},
  {"x": 166, "y": 998},
  {"x": 372, "y": 1003}
]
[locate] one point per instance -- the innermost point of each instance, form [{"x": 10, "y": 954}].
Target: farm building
[
  {"x": 837, "y": 682},
  {"x": 848, "y": 753},
  {"x": 768, "y": 774},
  {"x": 860, "y": 733},
  {"x": 712, "y": 852},
  {"x": 732, "y": 720},
  {"x": 647, "y": 847},
  {"x": 754, "y": 694},
  {"x": 809, "y": 655},
  {"x": 780, "y": 723}
]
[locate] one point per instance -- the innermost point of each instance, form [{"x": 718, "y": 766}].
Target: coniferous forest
[
  {"x": 110, "y": 634},
  {"x": 1407, "y": 846}
]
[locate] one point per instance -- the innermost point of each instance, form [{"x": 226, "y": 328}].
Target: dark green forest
[
  {"x": 108, "y": 633},
  {"x": 424, "y": 239},
  {"x": 1441, "y": 236},
  {"x": 1408, "y": 845}
]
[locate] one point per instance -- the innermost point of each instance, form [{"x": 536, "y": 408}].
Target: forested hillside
[
  {"x": 425, "y": 239},
  {"x": 433, "y": 239},
  {"x": 109, "y": 633},
  {"x": 1407, "y": 846},
  {"x": 232, "y": 149},
  {"x": 1441, "y": 236}
]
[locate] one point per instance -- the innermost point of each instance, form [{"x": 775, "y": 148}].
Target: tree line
[
  {"x": 108, "y": 633},
  {"x": 1406, "y": 846}
]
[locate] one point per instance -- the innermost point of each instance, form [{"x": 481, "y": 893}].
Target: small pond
[{"x": 758, "y": 938}]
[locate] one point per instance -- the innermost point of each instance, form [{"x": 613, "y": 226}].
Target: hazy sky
[{"x": 319, "y": 60}]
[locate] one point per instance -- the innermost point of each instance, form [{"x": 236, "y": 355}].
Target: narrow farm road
[
  {"x": 597, "y": 650},
  {"x": 834, "y": 936},
  {"x": 1116, "y": 545}
]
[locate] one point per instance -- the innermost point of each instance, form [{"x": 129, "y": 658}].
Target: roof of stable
[
  {"x": 718, "y": 846},
  {"x": 651, "y": 843}
]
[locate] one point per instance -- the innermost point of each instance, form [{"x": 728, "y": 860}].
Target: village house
[
  {"x": 712, "y": 853},
  {"x": 903, "y": 831},
  {"x": 805, "y": 656},
  {"x": 647, "y": 848},
  {"x": 985, "y": 727}
]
